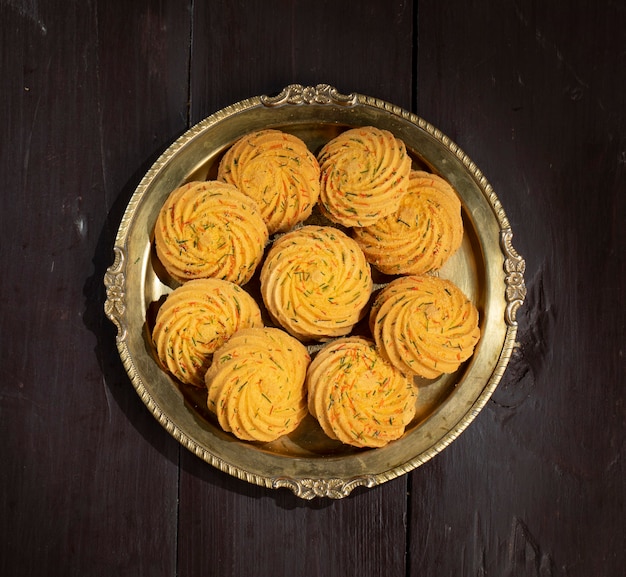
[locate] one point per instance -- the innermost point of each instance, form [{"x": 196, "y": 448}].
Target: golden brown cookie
[
  {"x": 364, "y": 175},
  {"x": 256, "y": 384},
  {"x": 315, "y": 282},
  {"x": 424, "y": 325},
  {"x": 210, "y": 230},
  {"x": 196, "y": 319},
  {"x": 425, "y": 231},
  {"x": 357, "y": 396},
  {"x": 278, "y": 171}
]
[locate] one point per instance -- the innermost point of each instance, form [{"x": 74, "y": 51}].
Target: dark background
[{"x": 93, "y": 91}]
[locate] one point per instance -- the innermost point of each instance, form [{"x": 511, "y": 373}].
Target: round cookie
[
  {"x": 195, "y": 320},
  {"x": 424, "y": 325},
  {"x": 210, "y": 230},
  {"x": 357, "y": 396},
  {"x": 425, "y": 231},
  {"x": 364, "y": 175},
  {"x": 315, "y": 282},
  {"x": 278, "y": 171},
  {"x": 256, "y": 384}
]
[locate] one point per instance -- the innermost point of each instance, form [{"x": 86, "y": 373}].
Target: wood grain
[
  {"x": 534, "y": 486},
  {"x": 367, "y": 50},
  {"x": 92, "y": 93},
  {"x": 87, "y": 102}
]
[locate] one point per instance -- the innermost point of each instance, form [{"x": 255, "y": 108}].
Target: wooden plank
[
  {"x": 241, "y": 50},
  {"x": 90, "y": 94},
  {"x": 534, "y": 95},
  {"x": 233, "y": 528}
]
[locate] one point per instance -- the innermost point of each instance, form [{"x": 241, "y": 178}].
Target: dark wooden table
[{"x": 92, "y": 92}]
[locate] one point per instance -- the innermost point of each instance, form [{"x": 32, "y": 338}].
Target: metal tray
[{"x": 486, "y": 268}]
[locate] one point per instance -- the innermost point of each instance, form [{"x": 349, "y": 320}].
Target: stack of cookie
[{"x": 316, "y": 286}]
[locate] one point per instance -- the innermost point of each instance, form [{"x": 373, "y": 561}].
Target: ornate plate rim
[{"x": 116, "y": 281}]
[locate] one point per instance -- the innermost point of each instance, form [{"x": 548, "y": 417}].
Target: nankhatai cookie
[
  {"x": 419, "y": 237},
  {"x": 210, "y": 230},
  {"x": 256, "y": 384},
  {"x": 278, "y": 171},
  {"x": 364, "y": 175},
  {"x": 424, "y": 325},
  {"x": 197, "y": 318},
  {"x": 315, "y": 282},
  {"x": 357, "y": 396}
]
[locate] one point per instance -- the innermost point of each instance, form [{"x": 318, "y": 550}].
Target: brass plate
[{"x": 486, "y": 267}]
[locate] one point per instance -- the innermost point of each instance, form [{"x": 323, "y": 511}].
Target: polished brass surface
[{"x": 487, "y": 268}]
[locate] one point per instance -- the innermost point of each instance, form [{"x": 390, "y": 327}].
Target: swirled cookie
[
  {"x": 277, "y": 170},
  {"x": 364, "y": 175},
  {"x": 357, "y": 396},
  {"x": 196, "y": 319},
  {"x": 210, "y": 230},
  {"x": 425, "y": 231},
  {"x": 315, "y": 282},
  {"x": 256, "y": 384},
  {"x": 424, "y": 325}
]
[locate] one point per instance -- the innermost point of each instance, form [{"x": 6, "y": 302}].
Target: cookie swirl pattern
[
  {"x": 210, "y": 230},
  {"x": 256, "y": 384},
  {"x": 425, "y": 231},
  {"x": 357, "y": 396},
  {"x": 424, "y": 325},
  {"x": 195, "y": 320},
  {"x": 364, "y": 175},
  {"x": 278, "y": 171},
  {"x": 315, "y": 282}
]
